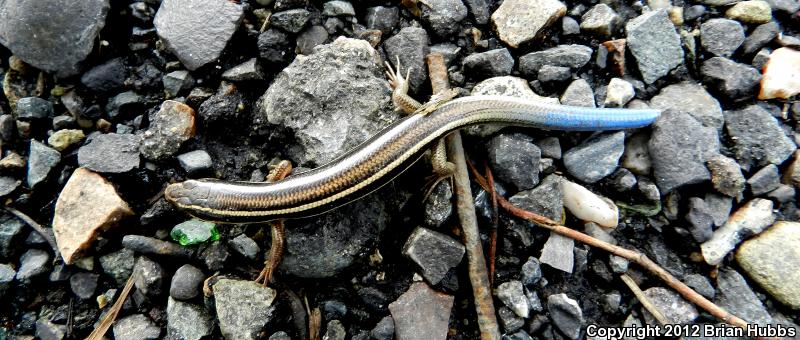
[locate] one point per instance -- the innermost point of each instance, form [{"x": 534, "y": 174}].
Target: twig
[
  {"x": 644, "y": 299},
  {"x": 38, "y": 228},
  {"x": 631, "y": 255},
  {"x": 104, "y": 325},
  {"x": 484, "y": 306},
  {"x": 495, "y": 222},
  {"x": 314, "y": 321}
]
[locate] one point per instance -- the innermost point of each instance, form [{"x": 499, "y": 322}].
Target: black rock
[
  {"x": 186, "y": 283},
  {"x": 515, "y": 160},
  {"x": 245, "y": 246},
  {"x": 107, "y": 77},
  {"x": 509, "y": 320},
  {"x": 480, "y": 10},
  {"x": 30, "y": 108},
  {"x": 84, "y": 285},
  {"x": 531, "y": 272},
  {"x": 41, "y": 161},
  {"x": 382, "y": 18},
  {"x": 292, "y": 20},
  {"x": 546, "y": 199},
  {"x": 384, "y": 330},
  {"x": 488, "y": 64},
  {"x": 443, "y": 16},
  {"x": 596, "y": 157},
  {"x": 118, "y": 265},
  {"x": 693, "y": 12},
  {"x": 10, "y": 234},
  {"x": 735, "y": 296},
  {"x": 700, "y": 221},
  {"x": 311, "y": 37},
  {"x": 215, "y": 256},
  {"x": 333, "y": 309},
  {"x": 758, "y": 139},
  {"x": 375, "y": 299},
  {"x": 700, "y": 284},
  {"x": 735, "y": 82},
  {"x": 275, "y": 46},
  {"x": 8, "y": 127}
]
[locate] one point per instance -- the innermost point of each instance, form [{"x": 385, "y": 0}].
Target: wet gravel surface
[{"x": 105, "y": 103}]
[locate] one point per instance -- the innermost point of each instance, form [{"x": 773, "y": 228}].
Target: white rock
[
  {"x": 588, "y": 206},
  {"x": 750, "y": 219},
  {"x": 781, "y": 77}
]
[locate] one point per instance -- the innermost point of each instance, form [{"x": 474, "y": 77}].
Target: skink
[{"x": 378, "y": 160}]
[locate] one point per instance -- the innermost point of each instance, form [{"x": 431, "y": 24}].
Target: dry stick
[
  {"x": 631, "y": 255},
  {"x": 37, "y": 227},
  {"x": 487, "y": 321},
  {"x": 644, "y": 299},
  {"x": 101, "y": 329},
  {"x": 495, "y": 221}
]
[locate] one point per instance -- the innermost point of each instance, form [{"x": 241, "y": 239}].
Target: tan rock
[
  {"x": 520, "y": 21},
  {"x": 781, "y": 78},
  {"x": 88, "y": 205},
  {"x": 773, "y": 260}
]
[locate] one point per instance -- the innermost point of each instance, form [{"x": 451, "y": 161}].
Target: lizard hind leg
[{"x": 442, "y": 168}]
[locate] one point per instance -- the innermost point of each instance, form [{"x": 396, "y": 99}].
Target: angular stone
[
  {"x": 188, "y": 321},
  {"x": 87, "y": 206},
  {"x": 197, "y": 31},
  {"x": 655, "y": 45},
  {"x": 558, "y": 253},
  {"x": 63, "y": 139},
  {"x": 736, "y": 297},
  {"x": 758, "y": 139},
  {"x": 596, "y": 157},
  {"x": 726, "y": 175},
  {"x": 566, "y": 314},
  {"x": 781, "y": 77},
  {"x": 731, "y": 80},
  {"x": 435, "y": 253},
  {"x": 41, "y": 160},
  {"x": 679, "y": 148},
  {"x": 518, "y": 21},
  {"x": 60, "y": 40},
  {"x": 410, "y": 45},
  {"x": 578, "y": 93},
  {"x": 248, "y": 70},
  {"x": 443, "y": 16},
  {"x": 572, "y": 56},
  {"x": 136, "y": 327},
  {"x": 173, "y": 124},
  {"x": 693, "y": 99},
  {"x": 751, "y": 12},
  {"x": 421, "y": 313},
  {"x": 494, "y": 63},
  {"x": 512, "y": 295},
  {"x": 243, "y": 308},
  {"x": 764, "y": 180},
  {"x": 674, "y": 308},
  {"x": 721, "y": 37},
  {"x": 772, "y": 259},
  {"x": 111, "y": 153},
  {"x": 515, "y": 160},
  {"x": 600, "y": 20}
]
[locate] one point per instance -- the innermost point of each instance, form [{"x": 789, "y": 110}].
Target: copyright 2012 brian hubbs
[{"x": 678, "y": 330}]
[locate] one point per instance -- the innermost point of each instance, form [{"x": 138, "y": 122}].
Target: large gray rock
[
  {"x": 736, "y": 297},
  {"x": 758, "y": 139},
  {"x": 435, "y": 253},
  {"x": 655, "y": 45},
  {"x": 243, "y": 308},
  {"x": 690, "y": 98},
  {"x": 318, "y": 98},
  {"x": 679, "y": 149},
  {"x": 773, "y": 260},
  {"x": 111, "y": 153},
  {"x": 54, "y": 36},
  {"x": 196, "y": 31},
  {"x": 421, "y": 313}
]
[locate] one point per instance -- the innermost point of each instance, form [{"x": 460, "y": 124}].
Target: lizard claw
[{"x": 396, "y": 79}]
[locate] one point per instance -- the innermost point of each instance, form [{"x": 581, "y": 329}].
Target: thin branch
[
  {"x": 644, "y": 299},
  {"x": 479, "y": 279},
  {"x": 108, "y": 320},
  {"x": 38, "y": 228},
  {"x": 631, "y": 255}
]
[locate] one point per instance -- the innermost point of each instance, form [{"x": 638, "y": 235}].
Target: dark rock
[
  {"x": 690, "y": 98},
  {"x": 275, "y": 46},
  {"x": 622, "y": 180},
  {"x": 332, "y": 309},
  {"x": 721, "y": 37},
  {"x": 195, "y": 161},
  {"x": 215, "y": 256},
  {"x": 107, "y": 77},
  {"x": 111, "y": 153},
  {"x": 151, "y": 246},
  {"x": 443, "y": 16},
  {"x": 783, "y": 193},
  {"x": 480, "y": 10},
  {"x": 760, "y": 36},
  {"x": 310, "y": 38},
  {"x": 176, "y": 82},
  {"x": 566, "y": 314},
  {"x": 761, "y": 58},
  {"x": 438, "y": 206},
  {"x": 572, "y": 56},
  {"x": 546, "y": 199},
  {"x": 492, "y": 63},
  {"x": 596, "y": 157},
  {"x": 197, "y": 31},
  {"x": 765, "y": 180},
  {"x": 435, "y": 253},
  {"x": 30, "y": 108},
  {"x": 136, "y": 327},
  {"x": 384, "y": 330},
  {"x": 382, "y": 18},
  {"x": 125, "y": 104},
  {"x": 188, "y": 321},
  {"x": 679, "y": 148},
  {"x": 531, "y": 272},
  {"x": 550, "y": 147},
  {"x": 33, "y": 263},
  {"x": 245, "y": 246},
  {"x": 60, "y": 41},
  {"x": 292, "y": 21},
  {"x": 736, "y": 82},
  {"x": 7, "y": 127},
  {"x": 758, "y": 139},
  {"x": 509, "y": 320},
  {"x": 84, "y": 285},
  {"x": 515, "y": 160},
  {"x": 186, "y": 283},
  {"x": 700, "y": 284},
  {"x": 411, "y": 46},
  {"x": 700, "y": 221},
  {"x": 148, "y": 276},
  {"x": 118, "y": 265},
  {"x": 512, "y": 295},
  {"x": 736, "y": 297},
  {"x": 222, "y": 106}
]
